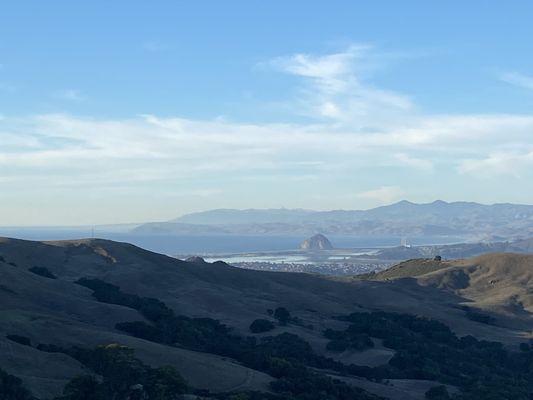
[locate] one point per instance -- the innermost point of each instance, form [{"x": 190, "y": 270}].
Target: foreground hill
[
  {"x": 439, "y": 218},
  {"x": 41, "y": 302}
]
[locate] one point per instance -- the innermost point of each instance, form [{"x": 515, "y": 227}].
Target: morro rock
[
  {"x": 195, "y": 260},
  {"x": 316, "y": 242}
]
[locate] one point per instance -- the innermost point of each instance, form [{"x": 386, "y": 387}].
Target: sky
[{"x": 134, "y": 111}]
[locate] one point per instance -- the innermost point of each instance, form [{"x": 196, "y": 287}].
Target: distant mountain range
[{"x": 472, "y": 221}]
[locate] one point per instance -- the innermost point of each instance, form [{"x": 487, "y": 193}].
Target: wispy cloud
[
  {"x": 518, "y": 79},
  {"x": 337, "y": 88},
  {"x": 410, "y": 161},
  {"x": 499, "y": 163},
  {"x": 154, "y": 46},
  {"x": 69, "y": 94},
  {"x": 7, "y": 87},
  {"x": 172, "y": 148},
  {"x": 383, "y": 194}
]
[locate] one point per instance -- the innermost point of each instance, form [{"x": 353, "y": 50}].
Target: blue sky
[{"x": 134, "y": 111}]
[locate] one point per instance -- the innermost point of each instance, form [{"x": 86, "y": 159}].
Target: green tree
[
  {"x": 165, "y": 383},
  {"x": 261, "y": 325},
  {"x": 437, "y": 393},
  {"x": 282, "y": 315},
  {"x": 83, "y": 387},
  {"x": 11, "y": 388}
]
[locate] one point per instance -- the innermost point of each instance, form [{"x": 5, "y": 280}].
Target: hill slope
[
  {"x": 498, "y": 282},
  {"x": 60, "y": 312}
]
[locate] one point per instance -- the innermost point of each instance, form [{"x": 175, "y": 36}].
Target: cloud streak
[
  {"x": 183, "y": 147},
  {"x": 336, "y": 87},
  {"x": 518, "y": 79},
  {"x": 383, "y": 195},
  {"x": 69, "y": 94}
]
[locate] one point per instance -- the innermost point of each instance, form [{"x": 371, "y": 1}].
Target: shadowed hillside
[{"x": 40, "y": 301}]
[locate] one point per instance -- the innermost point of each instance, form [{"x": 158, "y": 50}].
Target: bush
[
  {"x": 42, "y": 271},
  {"x": 11, "y": 388},
  {"x": 282, "y": 315},
  {"x": 338, "y": 345},
  {"x": 349, "y": 339},
  {"x": 19, "y": 339},
  {"x": 84, "y": 387},
  {"x": 437, "y": 393},
  {"x": 481, "y": 318},
  {"x": 261, "y": 325},
  {"x": 525, "y": 347},
  {"x": 165, "y": 383},
  {"x": 141, "y": 330},
  {"x": 124, "y": 376}
]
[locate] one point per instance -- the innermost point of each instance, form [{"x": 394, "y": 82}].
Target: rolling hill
[
  {"x": 498, "y": 283},
  {"x": 41, "y": 302}
]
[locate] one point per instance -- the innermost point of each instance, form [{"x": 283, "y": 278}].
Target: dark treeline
[
  {"x": 11, "y": 388},
  {"x": 428, "y": 349}
]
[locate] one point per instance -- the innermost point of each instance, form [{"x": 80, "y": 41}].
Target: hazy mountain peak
[{"x": 467, "y": 220}]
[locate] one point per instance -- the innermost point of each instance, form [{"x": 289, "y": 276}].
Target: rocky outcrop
[{"x": 316, "y": 242}]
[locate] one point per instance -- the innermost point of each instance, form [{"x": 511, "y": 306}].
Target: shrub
[
  {"x": 165, "y": 383},
  {"x": 479, "y": 317},
  {"x": 338, "y": 345},
  {"x": 11, "y": 388},
  {"x": 42, "y": 271},
  {"x": 437, "y": 393},
  {"x": 123, "y": 376},
  {"x": 525, "y": 347},
  {"x": 282, "y": 315},
  {"x": 84, "y": 387},
  {"x": 19, "y": 339},
  {"x": 261, "y": 325}
]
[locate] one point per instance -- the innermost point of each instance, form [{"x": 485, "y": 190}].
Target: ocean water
[{"x": 214, "y": 244}]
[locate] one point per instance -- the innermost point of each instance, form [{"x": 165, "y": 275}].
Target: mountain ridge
[{"x": 467, "y": 220}]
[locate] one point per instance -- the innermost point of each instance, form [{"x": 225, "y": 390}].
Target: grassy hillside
[
  {"x": 40, "y": 301},
  {"x": 499, "y": 283}
]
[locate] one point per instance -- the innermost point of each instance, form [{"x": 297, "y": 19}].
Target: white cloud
[
  {"x": 7, "y": 88},
  {"x": 337, "y": 88},
  {"x": 154, "y": 46},
  {"x": 419, "y": 163},
  {"x": 518, "y": 79},
  {"x": 383, "y": 195},
  {"x": 501, "y": 163},
  {"x": 69, "y": 94},
  {"x": 151, "y": 148}
]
